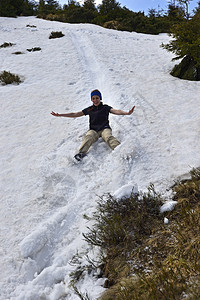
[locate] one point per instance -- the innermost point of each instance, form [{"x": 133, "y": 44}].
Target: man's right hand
[{"x": 55, "y": 114}]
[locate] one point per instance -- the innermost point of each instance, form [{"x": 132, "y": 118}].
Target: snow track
[
  {"x": 44, "y": 193},
  {"x": 87, "y": 59}
]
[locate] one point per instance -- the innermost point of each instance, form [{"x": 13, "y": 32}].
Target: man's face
[{"x": 96, "y": 100}]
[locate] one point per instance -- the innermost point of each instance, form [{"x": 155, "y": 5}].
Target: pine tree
[
  {"x": 186, "y": 3},
  {"x": 18, "y": 5},
  {"x": 89, "y": 11},
  {"x": 175, "y": 13},
  {"x": 7, "y": 9},
  {"x": 108, "y": 6},
  {"x": 52, "y": 6},
  {"x": 186, "y": 44},
  {"x": 42, "y": 11},
  {"x": 197, "y": 9},
  {"x": 29, "y": 8},
  {"x": 13, "y": 8},
  {"x": 89, "y": 4},
  {"x": 74, "y": 13}
]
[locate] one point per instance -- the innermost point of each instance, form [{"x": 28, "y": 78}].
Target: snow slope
[{"x": 43, "y": 192}]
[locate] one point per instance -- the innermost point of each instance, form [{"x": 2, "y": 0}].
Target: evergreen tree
[
  {"x": 152, "y": 12},
  {"x": 47, "y": 7},
  {"x": 52, "y": 6},
  {"x": 73, "y": 12},
  {"x": 18, "y": 6},
  {"x": 42, "y": 10},
  {"x": 175, "y": 13},
  {"x": 186, "y": 42},
  {"x": 108, "y": 7},
  {"x": 197, "y": 9},
  {"x": 7, "y": 9},
  {"x": 89, "y": 11},
  {"x": 13, "y": 8},
  {"x": 29, "y": 8},
  {"x": 186, "y": 3},
  {"x": 89, "y": 4}
]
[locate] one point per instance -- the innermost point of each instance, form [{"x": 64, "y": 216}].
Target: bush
[
  {"x": 56, "y": 34},
  {"x": 112, "y": 25},
  {"x": 34, "y": 49},
  {"x": 185, "y": 44},
  {"x": 5, "y": 45},
  {"x": 186, "y": 69},
  {"x": 120, "y": 229},
  {"x": 18, "y": 53},
  {"x": 9, "y": 78},
  {"x": 143, "y": 258},
  {"x": 31, "y": 26},
  {"x": 169, "y": 258}
]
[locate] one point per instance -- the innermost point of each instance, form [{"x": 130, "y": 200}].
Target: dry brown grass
[
  {"x": 9, "y": 78},
  {"x": 170, "y": 256},
  {"x": 141, "y": 257}
]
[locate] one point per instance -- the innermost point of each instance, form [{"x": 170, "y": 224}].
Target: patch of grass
[
  {"x": 81, "y": 268},
  {"x": 31, "y": 26},
  {"x": 56, "y": 34},
  {"x": 9, "y": 78},
  {"x": 143, "y": 258},
  {"x": 120, "y": 228},
  {"x": 83, "y": 265},
  {"x": 81, "y": 295},
  {"x": 169, "y": 258},
  {"x": 5, "y": 45},
  {"x": 18, "y": 53},
  {"x": 34, "y": 49}
]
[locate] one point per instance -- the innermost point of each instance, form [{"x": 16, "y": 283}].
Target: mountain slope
[{"x": 43, "y": 192}]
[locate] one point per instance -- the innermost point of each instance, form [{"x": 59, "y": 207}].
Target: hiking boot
[{"x": 79, "y": 156}]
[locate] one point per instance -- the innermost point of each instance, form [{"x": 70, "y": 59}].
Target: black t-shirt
[{"x": 98, "y": 116}]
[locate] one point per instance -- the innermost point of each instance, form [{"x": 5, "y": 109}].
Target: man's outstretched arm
[
  {"x": 69, "y": 115},
  {"x": 122, "y": 112}
]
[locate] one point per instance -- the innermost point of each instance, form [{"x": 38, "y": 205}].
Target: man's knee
[
  {"x": 92, "y": 134},
  {"x": 90, "y": 138},
  {"x": 106, "y": 134},
  {"x": 109, "y": 138}
]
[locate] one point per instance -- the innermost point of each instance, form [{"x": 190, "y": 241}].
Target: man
[{"x": 99, "y": 123}]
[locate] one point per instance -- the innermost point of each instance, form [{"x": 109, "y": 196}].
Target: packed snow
[
  {"x": 44, "y": 193},
  {"x": 168, "y": 206}
]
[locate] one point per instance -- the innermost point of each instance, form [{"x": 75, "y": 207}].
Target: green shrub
[
  {"x": 143, "y": 258},
  {"x": 120, "y": 228},
  {"x": 34, "y": 49},
  {"x": 5, "y": 45},
  {"x": 136, "y": 213},
  {"x": 170, "y": 256},
  {"x": 56, "y": 34},
  {"x": 9, "y": 78},
  {"x": 185, "y": 44},
  {"x": 31, "y": 26},
  {"x": 18, "y": 53}
]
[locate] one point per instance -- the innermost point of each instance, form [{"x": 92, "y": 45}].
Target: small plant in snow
[
  {"x": 5, "y": 45},
  {"x": 9, "y": 78},
  {"x": 34, "y": 49},
  {"x": 84, "y": 265},
  {"x": 143, "y": 258},
  {"x": 18, "y": 53},
  {"x": 31, "y": 26},
  {"x": 120, "y": 228},
  {"x": 80, "y": 295},
  {"x": 56, "y": 34}
]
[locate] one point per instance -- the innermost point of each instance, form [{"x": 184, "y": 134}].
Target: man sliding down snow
[{"x": 99, "y": 123}]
